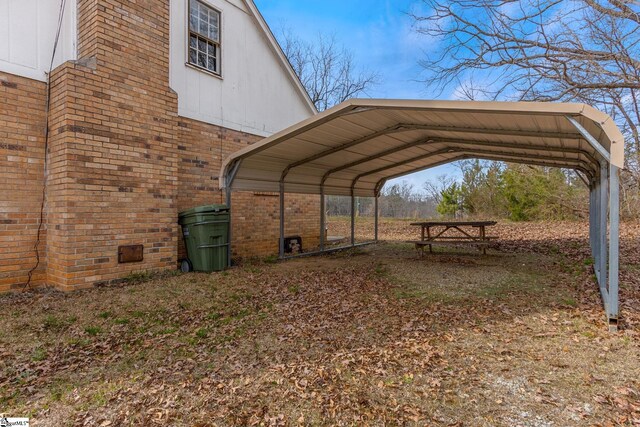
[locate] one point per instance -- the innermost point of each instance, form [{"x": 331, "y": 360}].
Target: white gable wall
[
  {"x": 27, "y": 33},
  {"x": 255, "y": 93}
]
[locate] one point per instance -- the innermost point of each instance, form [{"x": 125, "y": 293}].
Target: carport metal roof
[
  {"x": 359, "y": 144},
  {"x": 355, "y": 147}
]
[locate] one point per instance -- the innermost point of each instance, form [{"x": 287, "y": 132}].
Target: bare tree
[
  {"x": 326, "y": 69},
  {"x": 434, "y": 189},
  {"x": 541, "y": 50}
]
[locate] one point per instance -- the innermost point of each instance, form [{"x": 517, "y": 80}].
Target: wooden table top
[{"x": 454, "y": 223}]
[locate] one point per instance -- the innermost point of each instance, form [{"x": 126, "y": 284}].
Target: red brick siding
[
  {"x": 113, "y": 177},
  {"x": 22, "y": 124},
  {"x": 122, "y": 164},
  {"x": 255, "y": 218}
]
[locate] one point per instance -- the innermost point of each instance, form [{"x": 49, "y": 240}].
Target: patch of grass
[
  {"x": 5, "y": 399},
  {"x": 214, "y": 316},
  {"x": 202, "y": 333},
  {"x": 407, "y": 379},
  {"x": 349, "y": 252},
  {"x": 588, "y": 261},
  {"x": 39, "y": 354},
  {"x": 240, "y": 296},
  {"x": 294, "y": 289},
  {"x": 105, "y": 315},
  {"x": 93, "y": 330},
  {"x": 568, "y": 301},
  {"x": 427, "y": 295},
  {"x": 381, "y": 270},
  {"x": 80, "y": 342},
  {"x": 138, "y": 277},
  {"x": 59, "y": 389},
  {"x": 272, "y": 259},
  {"x": 51, "y": 322},
  {"x": 252, "y": 269},
  {"x": 121, "y": 321},
  {"x": 58, "y": 324}
]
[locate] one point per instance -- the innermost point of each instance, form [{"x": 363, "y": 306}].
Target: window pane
[
  {"x": 213, "y": 18},
  {"x": 204, "y": 28},
  {"x": 213, "y": 33},
  {"x": 212, "y": 64},
  {"x": 193, "y": 41},
  {"x": 193, "y": 56},
  {"x": 204, "y": 14},
  {"x": 202, "y": 45},
  {"x": 212, "y": 49},
  {"x": 213, "y": 26},
  {"x": 202, "y": 60}
]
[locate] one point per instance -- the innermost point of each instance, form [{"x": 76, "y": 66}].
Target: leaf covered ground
[{"x": 372, "y": 336}]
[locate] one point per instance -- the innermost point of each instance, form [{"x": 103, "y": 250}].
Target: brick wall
[
  {"x": 122, "y": 164},
  {"x": 22, "y": 124},
  {"x": 113, "y": 171},
  {"x": 255, "y": 216}
]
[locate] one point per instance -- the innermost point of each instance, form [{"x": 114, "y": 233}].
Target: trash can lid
[{"x": 204, "y": 209}]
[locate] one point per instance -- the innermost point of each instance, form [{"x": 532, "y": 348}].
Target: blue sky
[{"x": 382, "y": 38}]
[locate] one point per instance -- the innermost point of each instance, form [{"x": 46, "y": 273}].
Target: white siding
[
  {"x": 255, "y": 93},
  {"x": 27, "y": 33}
]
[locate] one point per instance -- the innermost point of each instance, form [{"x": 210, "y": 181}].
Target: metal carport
[{"x": 355, "y": 147}]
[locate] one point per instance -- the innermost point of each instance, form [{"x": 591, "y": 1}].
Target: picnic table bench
[{"x": 453, "y": 233}]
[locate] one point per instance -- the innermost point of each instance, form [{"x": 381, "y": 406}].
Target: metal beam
[
  {"x": 381, "y": 183},
  {"x": 559, "y": 164},
  {"x": 479, "y": 154},
  {"x": 584, "y": 180},
  {"x": 322, "y": 218},
  {"x": 375, "y": 218},
  {"x": 329, "y": 250},
  {"x": 449, "y": 142},
  {"x": 353, "y": 218},
  {"x": 510, "y": 145},
  {"x": 408, "y": 127},
  {"x": 384, "y": 153},
  {"x": 487, "y": 131},
  {"x": 281, "y": 243},
  {"x": 231, "y": 174},
  {"x": 602, "y": 232},
  {"x": 590, "y": 139},
  {"x": 614, "y": 243},
  {"x": 592, "y": 219},
  {"x": 386, "y": 131},
  {"x": 228, "y": 183}
]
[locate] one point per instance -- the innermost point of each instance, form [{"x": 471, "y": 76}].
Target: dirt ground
[{"x": 371, "y": 336}]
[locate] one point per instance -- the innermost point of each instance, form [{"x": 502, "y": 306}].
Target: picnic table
[{"x": 453, "y": 233}]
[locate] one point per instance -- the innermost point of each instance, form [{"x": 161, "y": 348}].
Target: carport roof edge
[{"x": 353, "y": 147}]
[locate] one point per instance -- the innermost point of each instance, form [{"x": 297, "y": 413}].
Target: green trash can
[{"x": 206, "y": 236}]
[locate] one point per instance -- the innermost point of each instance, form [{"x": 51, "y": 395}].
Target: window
[{"x": 204, "y": 36}]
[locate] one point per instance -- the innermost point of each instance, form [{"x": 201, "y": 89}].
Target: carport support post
[
  {"x": 281, "y": 249},
  {"x": 322, "y": 218},
  {"x": 602, "y": 232},
  {"x": 614, "y": 241},
  {"x": 231, "y": 174},
  {"x": 591, "y": 218},
  {"x": 375, "y": 217},
  {"x": 596, "y": 228},
  {"x": 353, "y": 218},
  {"x": 229, "y": 231}
]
